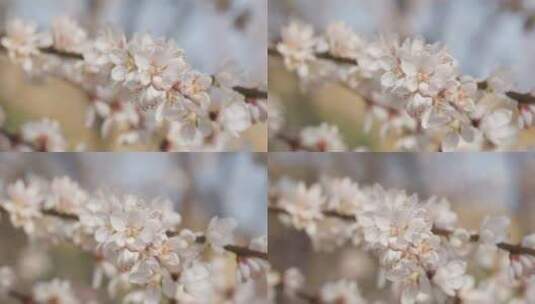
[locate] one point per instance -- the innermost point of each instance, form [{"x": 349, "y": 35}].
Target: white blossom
[
  {"x": 24, "y": 204},
  {"x": 297, "y": 46}
]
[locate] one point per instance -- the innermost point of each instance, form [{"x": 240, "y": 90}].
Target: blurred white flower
[
  {"x": 451, "y": 277},
  {"x": 251, "y": 268},
  {"x": 493, "y": 230},
  {"x": 66, "y": 196},
  {"x": 55, "y": 291},
  {"x": 220, "y": 232},
  {"x": 108, "y": 43},
  {"x": 236, "y": 118},
  {"x": 23, "y": 42},
  {"x": 33, "y": 262},
  {"x": 441, "y": 213},
  {"x": 342, "y": 41},
  {"x": 24, "y": 204},
  {"x": 342, "y": 291},
  {"x": 523, "y": 265},
  {"x": 45, "y": 135},
  {"x": 275, "y": 116},
  {"x": 293, "y": 281},
  {"x": 304, "y": 206},
  {"x": 7, "y": 279},
  {"x": 297, "y": 46},
  {"x": 67, "y": 35},
  {"x": 324, "y": 138}
]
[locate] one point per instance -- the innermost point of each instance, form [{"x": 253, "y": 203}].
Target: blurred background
[
  {"x": 201, "y": 185},
  {"x": 483, "y": 35},
  {"x": 214, "y": 34},
  {"x": 476, "y": 184}
]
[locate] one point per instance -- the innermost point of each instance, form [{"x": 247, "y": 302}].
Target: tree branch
[
  {"x": 247, "y": 92},
  {"x": 511, "y": 248},
  {"x": 522, "y": 98},
  {"x": 243, "y": 252},
  {"x": 321, "y": 55}
]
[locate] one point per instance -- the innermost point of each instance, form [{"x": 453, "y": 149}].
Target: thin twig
[{"x": 61, "y": 53}]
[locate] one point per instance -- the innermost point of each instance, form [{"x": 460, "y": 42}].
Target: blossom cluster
[
  {"x": 139, "y": 248},
  {"x": 413, "y": 89},
  {"x": 422, "y": 252},
  {"x": 140, "y": 88}
]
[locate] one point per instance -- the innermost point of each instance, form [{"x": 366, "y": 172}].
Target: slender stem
[{"x": 511, "y": 248}]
